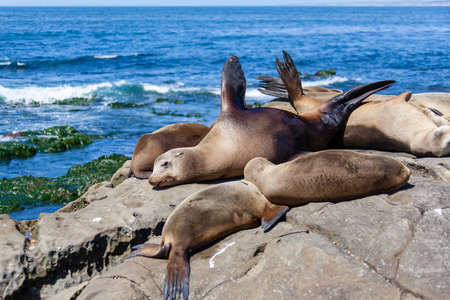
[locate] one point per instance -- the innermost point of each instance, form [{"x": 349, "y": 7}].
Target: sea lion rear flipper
[
  {"x": 330, "y": 115},
  {"x": 151, "y": 250},
  {"x": 272, "y": 213},
  {"x": 290, "y": 76},
  {"x": 177, "y": 276}
]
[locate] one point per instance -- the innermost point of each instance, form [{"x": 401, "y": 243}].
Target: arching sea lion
[
  {"x": 390, "y": 125},
  {"x": 152, "y": 145},
  {"x": 205, "y": 217},
  {"x": 329, "y": 175},
  {"x": 241, "y": 134}
]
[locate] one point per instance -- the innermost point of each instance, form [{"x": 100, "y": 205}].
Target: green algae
[
  {"x": 20, "y": 192},
  {"x": 328, "y": 72},
  {"x": 122, "y": 105},
  {"x": 10, "y": 150},
  {"x": 50, "y": 140},
  {"x": 59, "y": 139},
  {"x": 176, "y": 114},
  {"x": 175, "y": 101},
  {"x": 74, "y": 101}
]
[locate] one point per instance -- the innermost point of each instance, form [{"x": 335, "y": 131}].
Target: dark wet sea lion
[
  {"x": 203, "y": 218},
  {"x": 241, "y": 134},
  {"x": 328, "y": 175},
  {"x": 152, "y": 145},
  {"x": 391, "y": 125}
]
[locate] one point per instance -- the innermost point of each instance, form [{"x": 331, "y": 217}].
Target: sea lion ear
[{"x": 178, "y": 154}]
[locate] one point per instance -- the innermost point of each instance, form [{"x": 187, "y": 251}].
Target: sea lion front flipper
[
  {"x": 233, "y": 86},
  {"x": 177, "y": 275},
  {"x": 151, "y": 250},
  {"x": 272, "y": 213},
  {"x": 272, "y": 86},
  {"x": 327, "y": 117}
]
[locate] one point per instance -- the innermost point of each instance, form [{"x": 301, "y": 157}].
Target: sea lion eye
[
  {"x": 165, "y": 164},
  {"x": 179, "y": 153}
]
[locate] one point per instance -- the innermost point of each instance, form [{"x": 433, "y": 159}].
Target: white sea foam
[
  {"x": 253, "y": 93},
  {"x": 327, "y": 81},
  {"x": 5, "y": 63},
  {"x": 173, "y": 87},
  {"x": 105, "y": 56},
  {"x": 45, "y": 95},
  {"x": 20, "y": 64}
]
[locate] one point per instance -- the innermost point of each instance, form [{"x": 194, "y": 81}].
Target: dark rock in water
[
  {"x": 28, "y": 191},
  {"x": 328, "y": 72},
  {"x": 387, "y": 246},
  {"x": 10, "y": 150},
  {"x": 14, "y": 135}
]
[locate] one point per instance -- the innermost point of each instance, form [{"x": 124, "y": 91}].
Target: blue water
[{"x": 141, "y": 54}]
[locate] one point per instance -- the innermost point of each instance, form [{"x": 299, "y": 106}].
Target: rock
[
  {"x": 12, "y": 260},
  {"x": 388, "y": 246},
  {"x": 121, "y": 174}
]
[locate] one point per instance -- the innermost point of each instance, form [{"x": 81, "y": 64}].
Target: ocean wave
[
  {"x": 108, "y": 91},
  {"x": 105, "y": 56},
  {"x": 47, "y": 95}
]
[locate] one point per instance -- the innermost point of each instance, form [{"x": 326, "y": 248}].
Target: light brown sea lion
[
  {"x": 329, "y": 175},
  {"x": 241, "y": 134},
  {"x": 436, "y": 116},
  {"x": 152, "y": 145},
  {"x": 390, "y": 125},
  {"x": 438, "y": 101},
  {"x": 203, "y": 218}
]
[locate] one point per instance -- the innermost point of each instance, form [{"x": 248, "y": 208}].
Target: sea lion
[
  {"x": 436, "y": 116},
  {"x": 390, "y": 125},
  {"x": 438, "y": 101},
  {"x": 328, "y": 175},
  {"x": 152, "y": 145},
  {"x": 203, "y": 218},
  {"x": 241, "y": 134}
]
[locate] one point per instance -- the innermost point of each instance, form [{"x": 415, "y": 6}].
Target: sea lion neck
[{"x": 232, "y": 94}]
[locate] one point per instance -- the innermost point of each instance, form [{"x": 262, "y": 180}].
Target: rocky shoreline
[{"x": 388, "y": 246}]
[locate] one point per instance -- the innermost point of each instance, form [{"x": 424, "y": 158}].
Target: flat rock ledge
[{"x": 387, "y": 246}]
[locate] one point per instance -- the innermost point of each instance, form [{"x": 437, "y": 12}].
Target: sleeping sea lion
[
  {"x": 205, "y": 217},
  {"x": 152, "y": 145},
  {"x": 241, "y": 134},
  {"x": 389, "y": 125},
  {"x": 329, "y": 175}
]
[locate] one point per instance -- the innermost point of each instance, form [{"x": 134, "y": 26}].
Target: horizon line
[{"x": 443, "y": 4}]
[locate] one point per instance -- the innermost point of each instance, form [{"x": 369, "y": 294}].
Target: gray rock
[{"x": 388, "y": 246}]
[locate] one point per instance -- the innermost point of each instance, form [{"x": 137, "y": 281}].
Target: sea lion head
[
  {"x": 173, "y": 167},
  {"x": 254, "y": 167}
]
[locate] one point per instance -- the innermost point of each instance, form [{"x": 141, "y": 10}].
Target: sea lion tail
[
  {"x": 272, "y": 213},
  {"x": 233, "y": 85},
  {"x": 151, "y": 250},
  {"x": 272, "y": 86},
  {"x": 177, "y": 276}
]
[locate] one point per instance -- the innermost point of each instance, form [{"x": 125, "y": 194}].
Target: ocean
[{"x": 165, "y": 63}]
